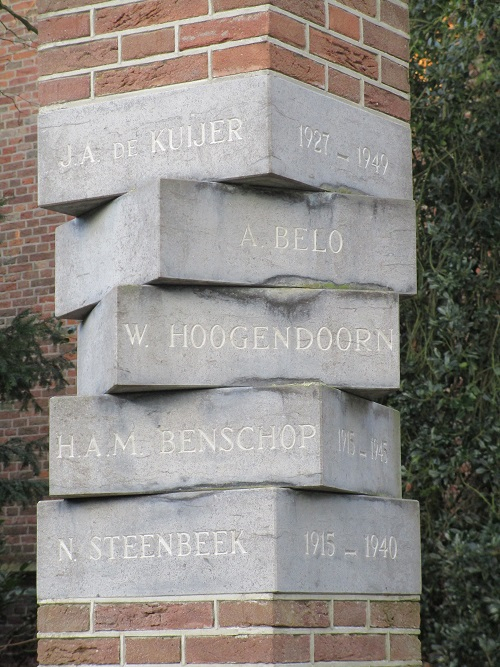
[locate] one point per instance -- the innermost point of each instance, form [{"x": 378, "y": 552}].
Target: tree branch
[
  {"x": 17, "y": 38},
  {"x": 29, "y": 26}
]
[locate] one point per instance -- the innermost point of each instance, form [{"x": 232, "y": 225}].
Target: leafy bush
[
  {"x": 25, "y": 363},
  {"x": 449, "y": 399}
]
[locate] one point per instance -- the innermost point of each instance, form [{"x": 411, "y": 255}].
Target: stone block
[
  {"x": 152, "y": 338},
  {"x": 261, "y": 128},
  {"x": 227, "y": 542},
  {"x": 199, "y": 232},
  {"x": 296, "y": 436}
]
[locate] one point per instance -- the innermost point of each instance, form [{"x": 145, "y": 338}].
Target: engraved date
[
  {"x": 319, "y": 543},
  {"x": 385, "y": 547},
  {"x": 313, "y": 139},
  {"x": 379, "y": 450},
  {"x": 378, "y": 162}
]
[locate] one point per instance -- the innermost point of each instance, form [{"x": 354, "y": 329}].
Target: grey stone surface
[
  {"x": 187, "y": 231},
  {"x": 237, "y": 541},
  {"x": 261, "y": 127},
  {"x": 297, "y": 436},
  {"x": 151, "y": 338}
]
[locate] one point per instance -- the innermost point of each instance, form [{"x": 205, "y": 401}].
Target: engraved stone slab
[
  {"x": 236, "y": 541},
  {"x": 187, "y": 231},
  {"x": 297, "y": 436},
  {"x": 151, "y": 338},
  {"x": 261, "y": 127}
]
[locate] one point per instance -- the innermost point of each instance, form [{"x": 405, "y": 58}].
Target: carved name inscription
[
  {"x": 241, "y": 337},
  {"x": 216, "y": 438},
  {"x": 235, "y": 541},
  {"x": 298, "y": 238},
  {"x": 155, "y": 545},
  {"x": 193, "y": 441},
  {"x": 198, "y": 337},
  {"x": 200, "y": 441},
  {"x": 261, "y": 127},
  {"x": 215, "y": 543},
  {"x": 209, "y": 133},
  {"x": 214, "y": 233},
  {"x": 175, "y": 138}
]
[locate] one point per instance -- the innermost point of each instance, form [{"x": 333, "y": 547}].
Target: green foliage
[
  {"x": 26, "y": 364},
  {"x": 449, "y": 400},
  {"x": 23, "y": 363},
  {"x": 17, "y": 633}
]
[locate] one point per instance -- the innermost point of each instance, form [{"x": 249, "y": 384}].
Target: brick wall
[
  {"x": 356, "y": 49},
  {"x": 26, "y": 237},
  {"x": 245, "y": 629}
]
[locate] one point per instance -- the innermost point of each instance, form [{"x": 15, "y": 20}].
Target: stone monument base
[{"x": 353, "y": 631}]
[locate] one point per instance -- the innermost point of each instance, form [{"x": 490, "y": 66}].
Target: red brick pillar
[{"x": 356, "y": 50}]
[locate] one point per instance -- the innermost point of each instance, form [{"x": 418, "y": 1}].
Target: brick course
[
  {"x": 152, "y": 75},
  {"x": 405, "y": 647},
  {"x": 342, "y": 53},
  {"x": 344, "y": 85},
  {"x": 149, "y": 43},
  {"x": 387, "y": 102},
  {"x": 249, "y": 629},
  {"x": 395, "y": 615},
  {"x": 385, "y": 40},
  {"x": 45, "y": 6},
  {"x": 256, "y": 57},
  {"x": 146, "y": 13},
  {"x": 150, "y": 650},
  {"x": 395, "y": 75},
  {"x": 280, "y": 613},
  {"x": 313, "y": 41},
  {"x": 79, "y": 56},
  {"x": 78, "y": 651},
  {"x": 153, "y": 616},
  {"x": 64, "y": 27},
  {"x": 247, "y": 649},
  {"x": 394, "y": 15},
  {"x": 348, "y": 613},
  {"x": 368, "y": 7},
  {"x": 217, "y": 31},
  {"x": 64, "y": 90},
  {"x": 349, "y": 647},
  {"x": 344, "y": 22},
  {"x": 64, "y": 618},
  {"x": 311, "y": 10}
]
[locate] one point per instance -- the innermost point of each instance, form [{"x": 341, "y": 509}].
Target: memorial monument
[{"x": 243, "y": 239}]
